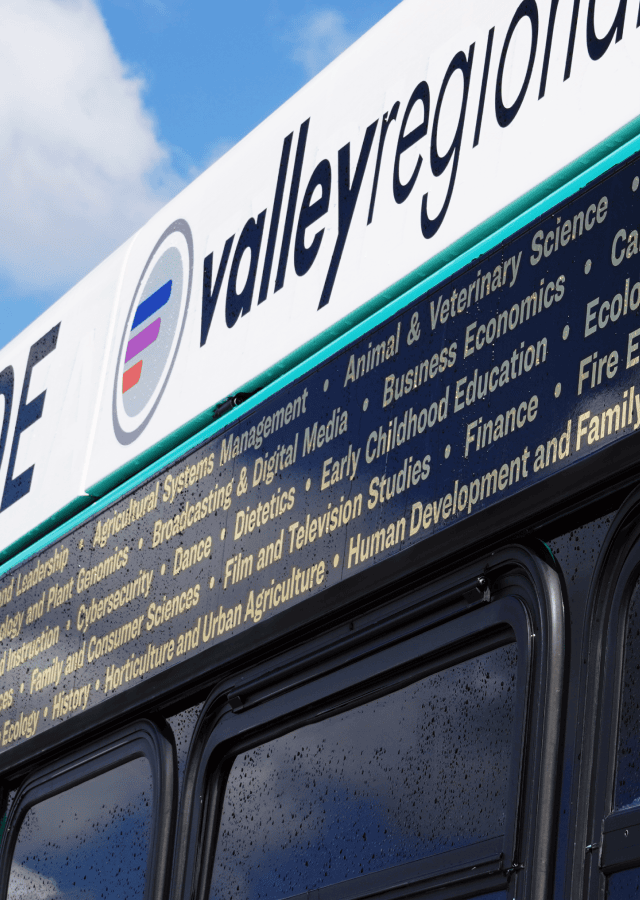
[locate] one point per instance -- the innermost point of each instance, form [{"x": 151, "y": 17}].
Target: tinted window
[
  {"x": 420, "y": 771},
  {"x": 8, "y": 803},
  {"x": 627, "y": 791},
  {"x": 623, "y": 885},
  {"x": 89, "y": 842},
  {"x": 183, "y": 725},
  {"x": 497, "y": 895}
]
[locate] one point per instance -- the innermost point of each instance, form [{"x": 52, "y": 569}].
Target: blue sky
[{"x": 117, "y": 104}]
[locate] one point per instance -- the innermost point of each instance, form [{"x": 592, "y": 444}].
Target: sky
[{"x": 115, "y": 105}]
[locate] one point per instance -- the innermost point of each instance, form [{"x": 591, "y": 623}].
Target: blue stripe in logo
[{"x": 152, "y": 304}]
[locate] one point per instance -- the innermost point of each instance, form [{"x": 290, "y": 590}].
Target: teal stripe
[{"x": 500, "y": 227}]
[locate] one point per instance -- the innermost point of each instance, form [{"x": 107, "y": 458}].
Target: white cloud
[
  {"x": 81, "y": 167},
  {"x": 25, "y": 884},
  {"x": 318, "y": 38}
]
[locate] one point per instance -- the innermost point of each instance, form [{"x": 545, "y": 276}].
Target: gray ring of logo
[{"x": 127, "y": 437}]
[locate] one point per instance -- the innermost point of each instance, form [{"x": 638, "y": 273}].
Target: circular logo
[{"x": 152, "y": 332}]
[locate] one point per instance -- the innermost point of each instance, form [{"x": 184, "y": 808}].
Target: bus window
[
  {"x": 627, "y": 785},
  {"x": 611, "y": 851},
  {"x": 621, "y": 834},
  {"x": 91, "y": 840},
  {"x": 497, "y": 895},
  {"x": 404, "y": 752},
  {"x": 418, "y": 772},
  {"x": 96, "y": 823},
  {"x": 623, "y": 885},
  {"x": 182, "y": 725},
  {"x": 9, "y": 798}
]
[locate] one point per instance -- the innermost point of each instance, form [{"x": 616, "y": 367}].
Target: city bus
[{"x": 320, "y": 497}]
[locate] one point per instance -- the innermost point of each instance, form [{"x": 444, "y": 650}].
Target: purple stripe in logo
[{"x": 141, "y": 341}]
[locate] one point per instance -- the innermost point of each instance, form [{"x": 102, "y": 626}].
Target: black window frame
[
  {"x": 517, "y": 590},
  {"x": 607, "y": 840},
  {"x": 151, "y": 739}
]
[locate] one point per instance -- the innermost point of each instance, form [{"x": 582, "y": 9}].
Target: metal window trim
[
  {"x": 597, "y": 852},
  {"x": 455, "y": 867},
  {"x": 151, "y": 739},
  {"x": 621, "y": 840},
  {"x": 352, "y": 686},
  {"x": 530, "y": 574}
]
